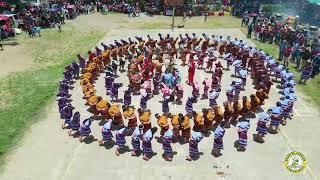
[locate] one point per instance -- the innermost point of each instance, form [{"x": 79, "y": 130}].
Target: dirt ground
[
  {"x": 18, "y": 57},
  {"x": 46, "y": 152}
]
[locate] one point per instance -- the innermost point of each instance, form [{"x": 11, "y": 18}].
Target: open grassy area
[
  {"x": 311, "y": 89},
  {"x": 24, "y": 95},
  {"x": 193, "y": 23}
]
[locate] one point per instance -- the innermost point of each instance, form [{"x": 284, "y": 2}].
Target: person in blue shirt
[{"x": 282, "y": 47}]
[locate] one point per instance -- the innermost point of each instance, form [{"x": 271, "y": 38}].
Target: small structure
[{"x": 169, "y": 5}]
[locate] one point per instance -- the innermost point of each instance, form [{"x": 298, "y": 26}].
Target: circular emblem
[{"x": 295, "y": 162}]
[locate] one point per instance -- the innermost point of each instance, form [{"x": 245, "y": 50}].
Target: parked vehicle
[
  {"x": 15, "y": 19},
  {"x": 6, "y": 25}
]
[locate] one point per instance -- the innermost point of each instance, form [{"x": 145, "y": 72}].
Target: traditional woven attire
[
  {"x": 285, "y": 107},
  {"x": 276, "y": 116},
  {"x": 127, "y": 98},
  {"x": 146, "y": 143},
  {"x": 213, "y": 96},
  {"x": 191, "y": 72},
  {"x": 207, "y": 85},
  {"x": 189, "y": 105},
  {"x": 75, "y": 69},
  {"x": 193, "y": 144},
  {"x": 238, "y": 87},
  {"x": 237, "y": 66},
  {"x": 215, "y": 82},
  {"x": 85, "y": 129},
  {"x": 114, "y": 91},
  {"x": 230, "y": 94},
  {"x": 166, "y": 142},
  {"x": 120, "y": 137},
  {"x": 306, "y": 73},
  {"x": 263, "y": 119},
  {"x": 109, "y": 80},
  {"x": 132, "y": 119},
  {"x": 243, "y": 128},
  {"x": 143, "y": 100},
  {"x": 75, "y": 123},
  {"x": 218, "y": 137},
  {"x": 208, "y": 120},
  {"x": 163, "y": 123},
  {"x": 106, "y": 131},
  {"x": 115, "y": 113},
  {"x": 66, "y": 114},
  {"x": 198, "y": 123},
  {"x": 185, "y": 128},
  {"x": 145, "y": 120},
  {"x": 176, "y": 126},
  {"x": 165, "y": 105},
  {"x": 135, "y": 139},
  {"x": 62, "y": 102}
]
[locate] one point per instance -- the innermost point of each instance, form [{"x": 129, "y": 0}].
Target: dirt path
[
  {"x": 19, "y": 57},
  {"x": 15, "y": 58},
  {"x": 47, "y": 152}
]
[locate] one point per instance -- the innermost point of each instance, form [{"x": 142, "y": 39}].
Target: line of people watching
[
  {"x": 34, "y": 18},
  {"x": 294, "y": 45}
]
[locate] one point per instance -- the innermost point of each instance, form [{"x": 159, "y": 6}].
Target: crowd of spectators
[{"x": 297, "y": 45}]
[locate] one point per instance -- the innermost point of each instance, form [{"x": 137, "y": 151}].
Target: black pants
[
  {"x": 315, "y": 71},
  {"x": 249, "y": 34}
]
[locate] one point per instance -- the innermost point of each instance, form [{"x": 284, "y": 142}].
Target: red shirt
[
  {"x": 287, "y": 52},
  {"x": 192, "y": 67}
]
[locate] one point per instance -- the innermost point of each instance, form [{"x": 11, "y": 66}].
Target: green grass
[
  {"x": 311, "y": 89},
  {"x": 193, "y": 23},
  {"x": 24, "y": 95}
]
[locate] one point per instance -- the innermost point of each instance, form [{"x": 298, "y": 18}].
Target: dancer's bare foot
[
  {"x": 145, "y": 158},
  {"x": 188, "y": 158},
  {"x": 117, "y": 153}
]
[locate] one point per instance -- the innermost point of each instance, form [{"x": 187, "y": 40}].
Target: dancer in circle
[
  {"x": 106, "y": 132},
  {"x": 136, "y": 137},
  {"x": 218, "y": 140},
  {"x": 120, "y": 140},
  {"x": 75, "y": 123},
  {"x": 193, "y": 146},
  {"x": 276, "y": 116},
  {"x": 85, "y": 129},
  {"x": 243, "y": 127},
  {"x": 263, "y": 119},
  {"x": 213, "y": 96},
  {"x": 146, "y": 143},
  {"x": 166, "y": 145}
]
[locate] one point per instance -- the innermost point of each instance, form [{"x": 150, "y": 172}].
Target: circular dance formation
[{"x": 154, "y": 68}]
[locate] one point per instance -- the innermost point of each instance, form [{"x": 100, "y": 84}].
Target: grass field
[
  {"x": 311, "y": 89},
  {"x": 24, "y": 95}
]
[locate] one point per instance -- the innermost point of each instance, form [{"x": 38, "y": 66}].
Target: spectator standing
[
  {"x": 286, "y": 55},
  {"x": 282, "y": 47},
  {"x": 250, "y": 28},
  {"x": 306, "y": 55},
  {"x": 59, "y": 26},
  {"x": 184, "y": 16},
  {"x": 316, "y": 66},
  {"x": 205, "y": 16}
]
